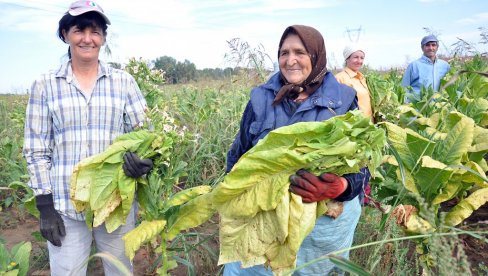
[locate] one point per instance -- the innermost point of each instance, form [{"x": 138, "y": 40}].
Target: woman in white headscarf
[{"x": 353, "y": 59}]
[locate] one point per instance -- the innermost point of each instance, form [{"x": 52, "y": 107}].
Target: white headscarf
[{"x": 351, "y": 48}]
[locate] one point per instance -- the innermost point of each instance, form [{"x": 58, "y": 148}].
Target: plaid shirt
[{"x": 63, "y": 126}]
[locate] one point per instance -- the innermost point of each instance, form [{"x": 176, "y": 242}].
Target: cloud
[
  {"x": 20, "y": 17},
  {"x": 477, "y": 19}
]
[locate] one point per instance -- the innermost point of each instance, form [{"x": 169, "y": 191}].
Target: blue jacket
[
  {"x": 425, "y": 73},
  {"x": 260, "y": 117}
]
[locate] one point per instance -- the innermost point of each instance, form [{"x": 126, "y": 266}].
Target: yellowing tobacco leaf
[
  {"x": 466, "y": 207},
  {"x": 261, "y": 222},
  {"x": 141, "y": 234}
]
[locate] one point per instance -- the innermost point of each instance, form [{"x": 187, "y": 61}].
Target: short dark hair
[{"x": 82, "y": 21}]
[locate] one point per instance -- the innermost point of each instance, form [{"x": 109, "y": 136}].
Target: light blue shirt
[
  {"x": 425, "y": 73},
  {"x": 63, "y": 126}
]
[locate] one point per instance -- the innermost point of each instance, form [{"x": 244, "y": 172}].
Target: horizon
[{"x": 199, "y": 31}]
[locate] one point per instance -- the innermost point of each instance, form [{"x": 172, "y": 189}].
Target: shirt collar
[
  {"x": 352, "y": 74},
  {"x": 320, "y": 97},
  {"x": 65, "y": 70},
  {"x": 428, "y": 60}
]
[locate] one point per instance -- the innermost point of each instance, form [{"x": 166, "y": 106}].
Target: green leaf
[
  {"x": 104, "y": 186},
  {"x": 410, "y": 145},
  {"x": 146, "y": 231},
  {"x": 4, "y": 257},
  {"x": 30, "y": 206},
  {"x": 431, "y": 177},
  {"x": 21, "y": 254},
  {"x": 458, "y": 139},
  {"x": 127, "y": 190}
]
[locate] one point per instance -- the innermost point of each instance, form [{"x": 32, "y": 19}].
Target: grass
[{"x": 393, "y": 253}]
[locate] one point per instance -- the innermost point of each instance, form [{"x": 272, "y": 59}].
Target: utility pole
[{"x": 354, "y": 34}]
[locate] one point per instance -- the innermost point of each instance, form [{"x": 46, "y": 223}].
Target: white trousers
[{"x": 72, "y": 257}]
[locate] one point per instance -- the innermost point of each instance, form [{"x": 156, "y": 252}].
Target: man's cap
[
  {"x": 427, "y": 39},
  {"x": 80, "y": 7}
]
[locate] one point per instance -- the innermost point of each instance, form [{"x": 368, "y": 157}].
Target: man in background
[{"x": 426, "y": 71}]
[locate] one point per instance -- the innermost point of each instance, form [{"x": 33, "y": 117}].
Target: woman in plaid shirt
[{"x": 74, "y": 112}]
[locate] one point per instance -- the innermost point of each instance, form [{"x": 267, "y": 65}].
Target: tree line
[{"x": 186, "y": 71}]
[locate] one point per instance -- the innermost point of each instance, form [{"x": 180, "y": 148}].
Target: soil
[{"x": 15, "y": 228}]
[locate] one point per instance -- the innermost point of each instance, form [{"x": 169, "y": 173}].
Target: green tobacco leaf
[
  {"x": 127, "y": 190},
  {"x": 104, "y": 185},
  {"x": 21, "y": 255},
  {"x": 191, "y": 214},
  {"x": 146, "y": 231},
  {"x": 431, "y": 177},
  {"x": 458, "y": 140},
  {"x": 466, "y": 207},
  {"x": 98, "y": 182},
  {"x": 410, "y": 145}
]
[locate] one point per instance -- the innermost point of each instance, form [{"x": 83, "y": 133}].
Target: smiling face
[
  {"x": 430, "y": 49},
  {"x": 85, "y": 44},
  {"x": 294, "y": 60},
  {"x": 355, "y": 61}
]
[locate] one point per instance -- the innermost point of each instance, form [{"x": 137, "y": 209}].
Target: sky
[{"x": 390, "y": 31}]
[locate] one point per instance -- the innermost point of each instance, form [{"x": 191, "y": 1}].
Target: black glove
[
  {"x": 135, "y": 167},
  {"x": 52, "y": 225}
]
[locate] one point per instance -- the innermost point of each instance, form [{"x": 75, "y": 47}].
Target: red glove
[{"x": 312, "y": 188}]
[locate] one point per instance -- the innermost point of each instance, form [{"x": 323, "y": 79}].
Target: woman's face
[
  {"x": 85, "y": 44},
  {"x": 294, "y": 60},
  {"x": 355, "y": 61}
]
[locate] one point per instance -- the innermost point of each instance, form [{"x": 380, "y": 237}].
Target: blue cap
[{"x": 429, "y": 38}]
